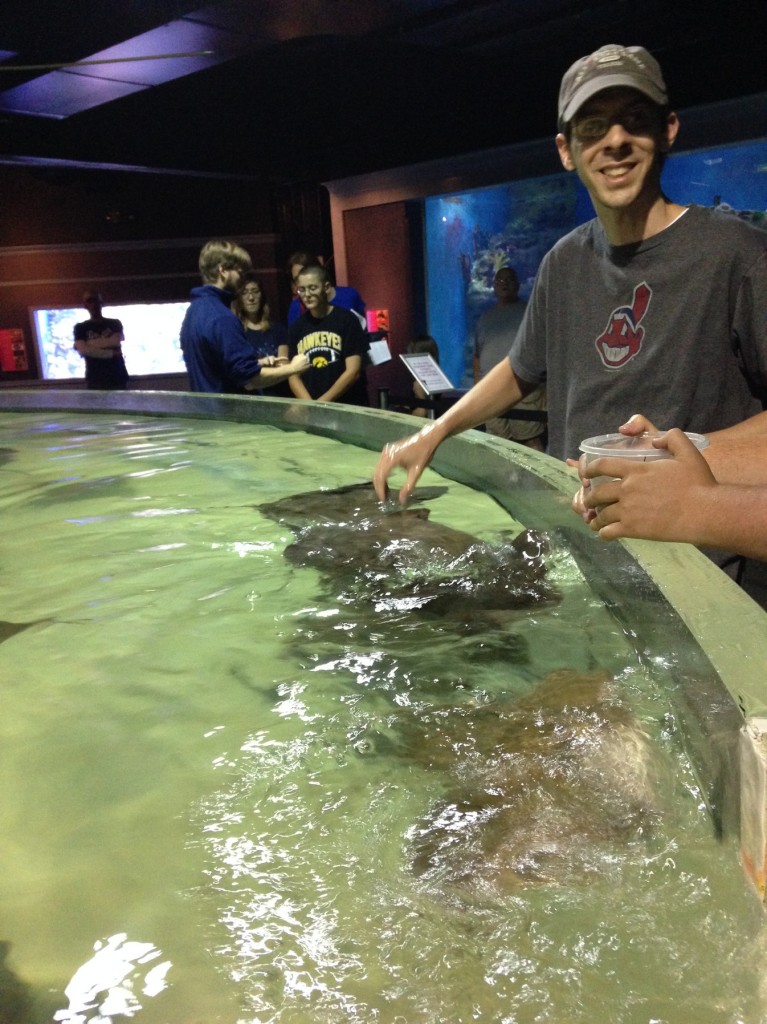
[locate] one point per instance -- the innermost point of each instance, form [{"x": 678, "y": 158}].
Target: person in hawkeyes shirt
[{"x": 333, "y": 340}]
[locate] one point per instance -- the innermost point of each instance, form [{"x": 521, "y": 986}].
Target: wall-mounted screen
[
  {"x": 469, "y": 235},
  {"x": 151, "y": 343}
]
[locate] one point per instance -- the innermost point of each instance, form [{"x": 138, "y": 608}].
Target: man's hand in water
[{"x": 413, "y": 454}]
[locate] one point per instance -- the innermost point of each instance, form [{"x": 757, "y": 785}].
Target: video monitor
[{"x": 151, "y": 343}]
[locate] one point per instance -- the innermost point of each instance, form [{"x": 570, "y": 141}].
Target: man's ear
[
  {"x": 565, "y": 155},
  {"x": 671, "y": 130}
]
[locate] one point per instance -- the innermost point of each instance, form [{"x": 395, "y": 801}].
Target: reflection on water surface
[{"x": 236, "y": 790}]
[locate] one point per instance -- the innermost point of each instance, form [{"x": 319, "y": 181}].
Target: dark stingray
[
  {"x": 342, "y": 505},
  {"x": 534, "y": 789},
  {"x": 539, "y": 789},
  {"x": 9, "y": 629},
  {"x": 16, "y": 1005},
  {"x": 386, "y": 555}
]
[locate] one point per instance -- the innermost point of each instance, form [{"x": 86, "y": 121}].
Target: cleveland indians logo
[{"x": 623, "y": 336}]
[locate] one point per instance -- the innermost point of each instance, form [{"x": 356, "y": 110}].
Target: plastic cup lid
[{"x": 638, "y": 447}]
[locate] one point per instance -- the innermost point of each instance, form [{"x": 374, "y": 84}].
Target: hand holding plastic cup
[{"x": 637, "y": 449}]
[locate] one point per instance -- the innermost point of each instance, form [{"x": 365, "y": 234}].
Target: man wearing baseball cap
[{"x": 651, "y": 305}]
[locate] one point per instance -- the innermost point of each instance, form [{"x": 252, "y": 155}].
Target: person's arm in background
[
  {"x": 298, "y": 388},
  {"x": 418, "y": 392},
  {"x": 271, "y": 375},
  {"x": 295, "y": 310},
  {"x": 498, "y": 391},
  {"x": 679, "y": 499},
  {"x": 108, "y": 342},
  {"x": 93, "y": 351},
  {"x": 99, "y": 348}
]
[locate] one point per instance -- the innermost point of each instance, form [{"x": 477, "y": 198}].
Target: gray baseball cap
[{"x": 610, "y": 66}]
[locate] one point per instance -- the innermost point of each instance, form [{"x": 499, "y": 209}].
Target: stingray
[
  {"x": 9, "y": 629},
  {"x": 537, "y": 789},
  {"x": 546, "y": 788},
  {"x": 384, "y": 555},
  {"x": 347, "y": 504},
  {"x": 16, "y": 1005}
]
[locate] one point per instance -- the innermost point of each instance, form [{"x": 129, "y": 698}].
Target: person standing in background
[
  {"x": 99, "y": 341},
  {"x": 267, "y": 337},
  {"x": 340, "y": 295},
  {"x": 217, "y": 354},
  {"x": 494, "y": 334},
  {"x": 333, "y": 341}
]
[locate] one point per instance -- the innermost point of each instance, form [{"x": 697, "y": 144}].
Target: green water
[{"x": 198, "y": 813}]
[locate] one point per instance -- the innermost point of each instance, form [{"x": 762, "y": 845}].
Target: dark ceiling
[{"x": 323, "y": 89}]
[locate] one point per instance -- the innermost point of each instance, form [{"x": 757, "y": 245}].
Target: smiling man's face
[{"x": 615, "y": 146}]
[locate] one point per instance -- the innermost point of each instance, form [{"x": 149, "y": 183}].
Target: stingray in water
[
  {"x": 383, "y": 554},
  {"x": 538, "y": 788},
  {"x": 9, "y": 629},
  {"x": 16, "y": 1004},
  {"x": 541, "y": 789}
]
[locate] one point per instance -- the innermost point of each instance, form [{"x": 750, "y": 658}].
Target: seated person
[
  {"x": 426, "y": 345},
  {"x": 267, "y": 337},
  {"x": 714, "y": 498}
]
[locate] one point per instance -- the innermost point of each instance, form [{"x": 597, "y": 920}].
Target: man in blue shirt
[{"x": 217, "y": 354}]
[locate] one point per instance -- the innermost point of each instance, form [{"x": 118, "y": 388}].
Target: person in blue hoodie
[{"x": 216, "y": 351}]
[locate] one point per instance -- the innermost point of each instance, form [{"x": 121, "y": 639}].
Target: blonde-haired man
[{"x": 217, "y": 354}]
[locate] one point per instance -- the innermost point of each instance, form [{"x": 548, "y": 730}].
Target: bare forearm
[
  {"x": 298, "y": 388},
  {"x": 494, "y": 394},
  {"x": 273, "y": 370},
  {"x": 738, "y": 458},
  {"x": 269, "y": 376},
  {"x": 340, "y": 387},
  {"x": 736, "y": 455},
  {"x": 725, "y": 516},
  {"x": 734, "y": 518},
  {"x": 753, "y": 427},
  {"x": 95, "y": 352}
]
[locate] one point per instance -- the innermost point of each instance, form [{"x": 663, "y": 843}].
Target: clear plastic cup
[{"x": 639, "y": 448}]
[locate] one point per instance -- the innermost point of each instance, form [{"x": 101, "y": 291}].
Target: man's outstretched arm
[{"x": 498, "y": 391}]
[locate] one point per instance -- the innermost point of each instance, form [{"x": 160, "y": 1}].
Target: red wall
[{"x": 378, "y": 265}]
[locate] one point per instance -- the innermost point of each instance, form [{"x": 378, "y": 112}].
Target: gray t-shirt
[
  {"x": 651, "y": 327},
  {"x": 495, "y": 331}
]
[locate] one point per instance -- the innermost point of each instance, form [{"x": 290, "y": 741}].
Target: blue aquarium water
[{"x": 240, "y": 787}]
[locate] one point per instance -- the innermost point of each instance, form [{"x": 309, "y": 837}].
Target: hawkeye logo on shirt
[
  {"x": 321, "y": 347},
  {"x": 622, "y": 339}
]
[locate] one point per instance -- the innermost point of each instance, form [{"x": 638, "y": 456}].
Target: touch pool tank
[{"x": 675, "y": 609}]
